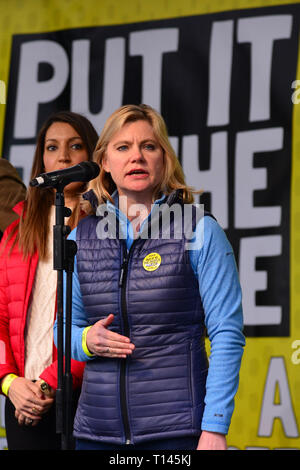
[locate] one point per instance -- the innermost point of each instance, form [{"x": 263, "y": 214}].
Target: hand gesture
[{"x": 105, "y": 343}]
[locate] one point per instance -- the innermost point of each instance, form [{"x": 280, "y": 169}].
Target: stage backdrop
[{"x": 224, "y": 76}]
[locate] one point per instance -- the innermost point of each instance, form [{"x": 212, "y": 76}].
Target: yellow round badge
[{"x": 151, "y": 262}]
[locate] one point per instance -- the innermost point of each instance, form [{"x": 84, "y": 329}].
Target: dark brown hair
[{"x": 34, "y": 222}]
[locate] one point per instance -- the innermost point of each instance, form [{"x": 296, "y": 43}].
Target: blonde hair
[{"x": 173, "y": 176}]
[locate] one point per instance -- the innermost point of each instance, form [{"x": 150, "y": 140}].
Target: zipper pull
[{"x": 123, "y": 267}]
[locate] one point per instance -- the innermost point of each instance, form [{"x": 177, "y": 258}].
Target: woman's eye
[
  {"x": 77, "y": 146},
  {"x": 51, "y": 148},
  {"x": 121, "y": 148},
  {"x": 149, "y": 146}
]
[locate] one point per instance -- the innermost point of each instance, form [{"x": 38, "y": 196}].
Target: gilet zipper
[{"x": 126, "y": 332}]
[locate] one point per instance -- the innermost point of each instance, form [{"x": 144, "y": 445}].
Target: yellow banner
[{"x": 267, "y": 410}]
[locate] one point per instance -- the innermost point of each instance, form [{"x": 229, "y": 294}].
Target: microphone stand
[{"x": 64, "y": 252}]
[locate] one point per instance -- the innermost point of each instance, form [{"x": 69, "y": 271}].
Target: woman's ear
[{"x": 104, "y": 164}]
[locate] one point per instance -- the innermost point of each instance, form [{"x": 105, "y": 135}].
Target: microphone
[{"x": 84, "y": 171}]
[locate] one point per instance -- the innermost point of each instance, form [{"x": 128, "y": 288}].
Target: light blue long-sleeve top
[{"x": 213, "y": 263}]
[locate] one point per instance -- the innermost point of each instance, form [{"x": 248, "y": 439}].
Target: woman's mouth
[{"x": 137, "y": 173}]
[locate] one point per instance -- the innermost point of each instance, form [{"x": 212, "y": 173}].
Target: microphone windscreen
[{"x": 92, "y": 169}]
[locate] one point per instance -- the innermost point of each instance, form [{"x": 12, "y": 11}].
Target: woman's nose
[
  {"x": 136, "y": 154},
  {"x": 63, "y": 154}
]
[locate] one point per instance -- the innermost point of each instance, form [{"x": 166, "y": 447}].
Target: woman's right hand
[
  {"x": 22, "y": 420},
  {"x": 28, "y": 399},
  {"x": 106, "y": 343}
]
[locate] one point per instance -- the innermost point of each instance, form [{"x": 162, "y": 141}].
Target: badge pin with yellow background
[{"x": 152, "y": 261}]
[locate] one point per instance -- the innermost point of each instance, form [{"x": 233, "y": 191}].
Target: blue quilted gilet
[{"x": 158, "y": 392}]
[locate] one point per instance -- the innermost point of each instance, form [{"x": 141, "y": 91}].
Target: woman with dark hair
[
  {"x": 142, "y": 303},
  {"x": 28, "y": 284},
  {"x": 12, "y": 191}
]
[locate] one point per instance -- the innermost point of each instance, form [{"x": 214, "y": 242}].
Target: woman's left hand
[
  {"x": 212, "y": 441},
  {"x": 49, "y": 393},
  {"x": 23, "y": 420}
]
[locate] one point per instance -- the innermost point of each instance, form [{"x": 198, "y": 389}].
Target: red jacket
[{"x": 16, "y": 282}]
